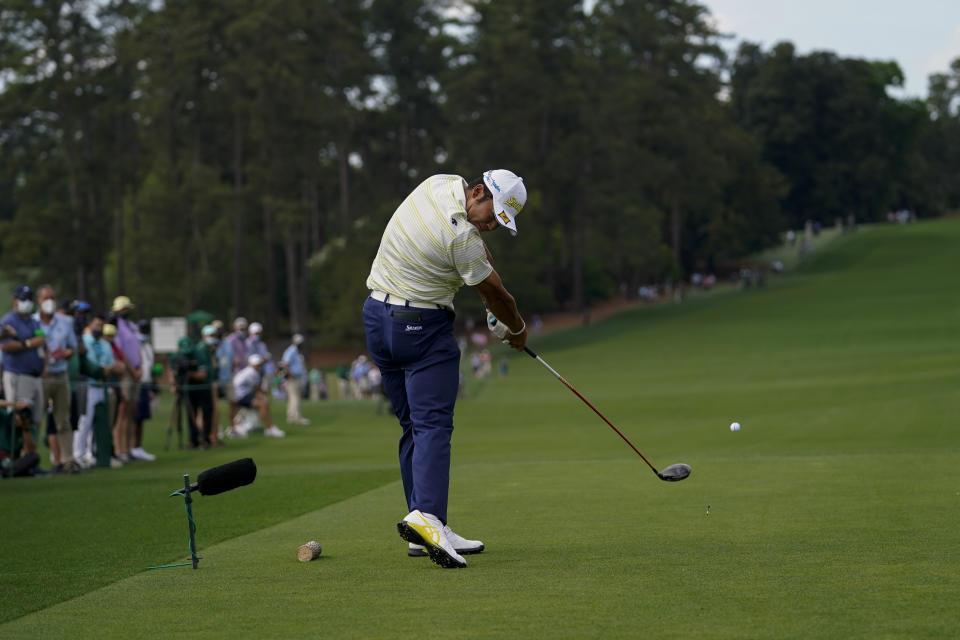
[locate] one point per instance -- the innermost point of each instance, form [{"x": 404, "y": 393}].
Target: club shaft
[{"x": 559, "y": 377}]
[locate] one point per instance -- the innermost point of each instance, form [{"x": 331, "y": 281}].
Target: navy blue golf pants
[{"x": 419, "y": 362}]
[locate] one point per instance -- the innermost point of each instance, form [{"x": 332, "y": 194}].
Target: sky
[{"x": 923, "y": 36}]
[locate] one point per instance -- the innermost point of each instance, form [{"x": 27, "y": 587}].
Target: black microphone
[{"x": 224, "y": 478}]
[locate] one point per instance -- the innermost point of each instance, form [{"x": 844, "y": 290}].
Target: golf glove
[
  {"x": 497, "y": 328},
  {"x": 501, "y": 330}
]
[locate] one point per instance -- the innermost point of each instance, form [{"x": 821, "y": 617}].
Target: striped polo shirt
[{"x": 429, "y": 249}]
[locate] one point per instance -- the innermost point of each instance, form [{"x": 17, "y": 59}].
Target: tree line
[{"x": 243, "y": 156}]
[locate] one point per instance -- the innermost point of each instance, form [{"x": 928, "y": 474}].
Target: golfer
[{"x": 430, "y": 248}]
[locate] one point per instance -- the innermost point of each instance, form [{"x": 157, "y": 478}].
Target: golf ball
[{"x": 734, "y": 426}]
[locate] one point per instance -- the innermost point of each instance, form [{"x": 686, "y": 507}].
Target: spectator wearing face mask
[
  {"x": 99, "y": 354},
  {"x": 23, "y": 345},
  {"x": 60, "y": 347}
]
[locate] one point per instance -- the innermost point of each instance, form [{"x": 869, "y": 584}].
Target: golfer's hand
[
  {"x": 496, "y": 327},
  {"x": 517, "y": 340}
]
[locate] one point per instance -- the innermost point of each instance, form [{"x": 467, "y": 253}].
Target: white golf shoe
[
  {"x": 426, "y": 530},
  {"x": 460, "y": 544},
  {"x": 138, "y": 453}
]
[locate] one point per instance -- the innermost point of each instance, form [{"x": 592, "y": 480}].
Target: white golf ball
[{"x": 734, "y": 426}]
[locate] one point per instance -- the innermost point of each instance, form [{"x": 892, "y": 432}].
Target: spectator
[
  {"x": 293, "y": 365},
  {"x": 121, "y": 368},
  {"x": 221, "y": 360},
  {"x": 100, "y": 354},
  {"x": 199, "y": 381},
  {"x": 60, "y": 347},
  {"x": 237, "y": 342},
  {"x": 248, "y": 388},
  {"x": 358, "y": 377},
  {"x": 128, "y": 342},
  {"x": 182, "y": 364},
  {"x": 78, "y": 384},
  {"x": 148, "y": 391},
  {"x": 256, "y": 345},
  {"x": 208, "y": 345},
  {"x": 80, "y": 311},
  {"x": 23, "y": 345},
  {"x": 77, "y": 370}
]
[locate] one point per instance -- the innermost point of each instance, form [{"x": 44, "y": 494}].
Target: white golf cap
[
  {"x": 256, "y": 327},
  {"x": 297, "y": 338},
  {"x": 509, "y": 196},
  {"x": 255, "y": 360}
]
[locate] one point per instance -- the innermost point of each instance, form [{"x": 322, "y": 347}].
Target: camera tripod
[{"x": 181, "y": 406}]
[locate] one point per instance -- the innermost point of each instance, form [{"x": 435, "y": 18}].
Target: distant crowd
[{"x": 85, "y": 382}]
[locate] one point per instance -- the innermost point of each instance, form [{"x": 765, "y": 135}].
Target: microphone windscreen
[{"x": 227, "y": 476}]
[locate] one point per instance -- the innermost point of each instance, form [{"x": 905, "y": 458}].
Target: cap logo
[
  {"x": 493, "y": 182},
  {"x": 504, "y": 217},
  {"x": 513, "y": 202}
]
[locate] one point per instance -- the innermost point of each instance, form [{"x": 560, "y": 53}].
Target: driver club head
[{"x": 675, "y": 472}]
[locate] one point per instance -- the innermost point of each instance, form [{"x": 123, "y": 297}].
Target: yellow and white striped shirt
[{"x": 429, "y": 249}]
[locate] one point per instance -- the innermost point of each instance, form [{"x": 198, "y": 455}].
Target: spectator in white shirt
[{"x": 250, "y": 395}]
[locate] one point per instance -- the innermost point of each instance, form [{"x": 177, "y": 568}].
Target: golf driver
[{"x": 673, "y": 473}]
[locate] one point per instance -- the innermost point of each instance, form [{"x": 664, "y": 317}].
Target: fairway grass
[{"x": 832, "y": 513}]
